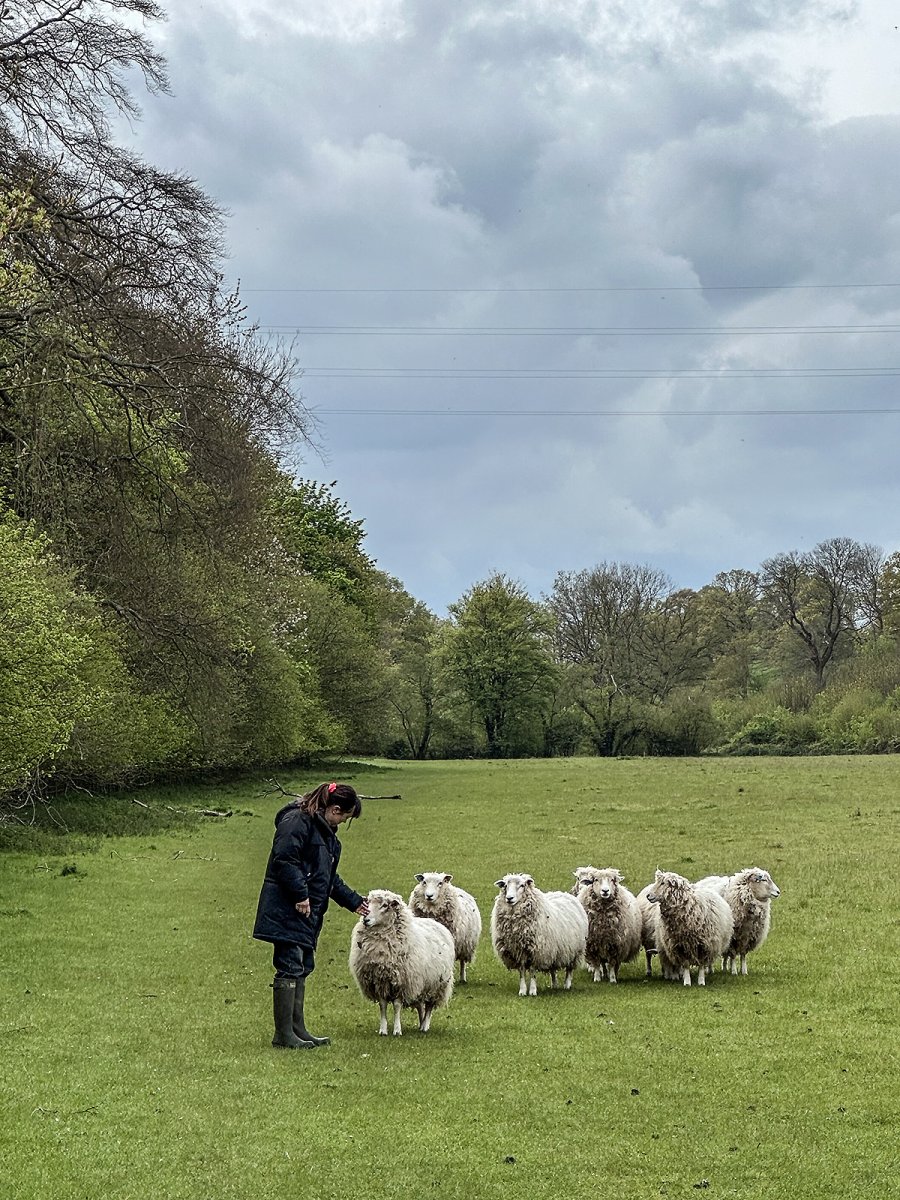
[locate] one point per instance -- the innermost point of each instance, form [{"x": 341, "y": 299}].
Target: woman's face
[{"x": 334, "y": 816}]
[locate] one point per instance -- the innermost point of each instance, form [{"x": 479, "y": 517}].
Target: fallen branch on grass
[{"x": 276, "y": 787}]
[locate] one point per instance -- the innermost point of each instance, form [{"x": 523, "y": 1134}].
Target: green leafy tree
[
  {"x": 412, "y": 642},
  {"x": 735, "y": 627},
  {"x": 497, "y": 649},
  {"x": 41, "y": 651},
  {"x": 320, "y": 537}
]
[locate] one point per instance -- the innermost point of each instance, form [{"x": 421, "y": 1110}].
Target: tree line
[{"x": 176, "y": 597}]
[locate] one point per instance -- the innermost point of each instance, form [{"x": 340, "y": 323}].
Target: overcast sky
[{"x": 685, "y": 216}]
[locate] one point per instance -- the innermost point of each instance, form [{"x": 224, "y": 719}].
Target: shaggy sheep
[
  {"x": 749, "y": 894},
  {"x": 437, "y": 897},
  {"x": 535, "y": 931},
  {"x": 397, "y": 959},
  {"x": 693, "y": 926},
  {"x": 649, "y": 914},
  {"x": 614, "y": 920}
]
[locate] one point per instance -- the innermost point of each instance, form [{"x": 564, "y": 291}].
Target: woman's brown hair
[{"x": 341, "y": 794}]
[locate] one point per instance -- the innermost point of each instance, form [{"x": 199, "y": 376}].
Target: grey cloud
[{"x": 651, "y": 145}]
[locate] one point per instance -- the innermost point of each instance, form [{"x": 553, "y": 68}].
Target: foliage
[
  {"x": 497, "y": 651},
  {"x": 320, "y": 537},
  {"x": 41, "y": 650}
]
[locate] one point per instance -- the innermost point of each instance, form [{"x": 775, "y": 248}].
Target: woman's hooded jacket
[{"x": 302, "y": 866}]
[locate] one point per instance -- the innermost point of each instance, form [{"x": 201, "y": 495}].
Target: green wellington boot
[
  {"x": 283, "y": 997},
  {"x": 299, "y": 1025}
]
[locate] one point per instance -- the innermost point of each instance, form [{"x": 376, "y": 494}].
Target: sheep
[
  {"x": 400, "y": 960},
  {"x": 535, "y": 931},
  {"x": 648, "y": 925},
  {"x": 614, "y": 920},
  {"x": 436, "y": 896},
  {"x": 749, "y": 894},
  {"x": 693, "y": 926}
]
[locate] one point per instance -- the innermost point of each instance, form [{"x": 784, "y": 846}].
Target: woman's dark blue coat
[{"x": 302, "y": 866}]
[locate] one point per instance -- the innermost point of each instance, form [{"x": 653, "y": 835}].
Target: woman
[{"x": 301, "y": 877}]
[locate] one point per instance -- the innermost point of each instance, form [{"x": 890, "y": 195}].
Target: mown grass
[{"x": 135, "y": 1020}]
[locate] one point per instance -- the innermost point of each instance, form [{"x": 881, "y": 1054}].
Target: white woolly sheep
[
  {"x": 749, "y": 894},
  {"x": 614, "y": 920},
  {"x": 437, "y": 897},
  {"x": 398, "y": 959},
  {"x": 693, "y": 926},
  {"x": 535, "y": 931},
  {"x": 648, "y": 925}
]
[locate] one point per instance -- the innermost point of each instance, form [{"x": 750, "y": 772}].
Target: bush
[{"x": 778, "y": 731}]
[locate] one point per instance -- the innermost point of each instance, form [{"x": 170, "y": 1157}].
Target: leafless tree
[{"x": 818, "y": 596}]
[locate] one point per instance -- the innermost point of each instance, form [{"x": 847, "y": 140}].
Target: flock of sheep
[{"x": 401, "y": 959}]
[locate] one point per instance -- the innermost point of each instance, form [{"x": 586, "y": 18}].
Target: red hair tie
[{"x": 331, "y": 788}]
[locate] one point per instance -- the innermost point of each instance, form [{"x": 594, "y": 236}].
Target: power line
[
  {"x": 546, "y": 373},
  {"x": 720, "y": 287},
  {"x": 606, "y": 412},
  {"x": 568, "y": 330}
]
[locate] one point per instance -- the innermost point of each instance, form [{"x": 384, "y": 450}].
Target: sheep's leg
[
  {"x": 382, "y": 1024},
  {"x": 611, "y": 970},
  {"x": 462, "y": 970},
  {"x": 648, "y": 954},
  {"x": 523, "y": 985},
  {"x": 532, "y": 987},
  {"x": 686, "y": 976},
  {"x": 553, "y": 979},
  {"x": 398, "y": 1009},
  {"x": 425, "y": 1021},
  {"x": 598, "y": 974},
  {"x": 570, "y": 971},
  {"x": 744, "y": 970},
  {"x": 701, "y": 977},
  {"x": 421, "y": 1009}
]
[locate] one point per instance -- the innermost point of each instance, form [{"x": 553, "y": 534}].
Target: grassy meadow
[{"x": 135, "y": 1011}]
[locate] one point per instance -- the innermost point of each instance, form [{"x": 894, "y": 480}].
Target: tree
[
  {"x": 609, "y": 633},
  {"x": 411, "y": 639},
  {"x": 321, "y": 538},
  {"x": 41, "y": 651},
  {"x": 817, "y": 595},
  {"x": 731, "y": 615},
  {"x": 498, "y": 651}
]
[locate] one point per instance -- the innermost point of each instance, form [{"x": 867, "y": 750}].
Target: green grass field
[{"x": 136, "y": 1012}]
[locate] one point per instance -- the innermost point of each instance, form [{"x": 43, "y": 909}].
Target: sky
[{"x": 570, "y": 281}]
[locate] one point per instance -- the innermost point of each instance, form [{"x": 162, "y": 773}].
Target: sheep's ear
[
  {"x": 659, "y": 874},
  {"x": 527, "y": 881},
  {"x": 620, "y": 878},
  {"x": 447, "y": 878},
  {"x": 500, "y": 883},
  {"x": 395, "y": 903},
  {"x": 419, "y": 878}
]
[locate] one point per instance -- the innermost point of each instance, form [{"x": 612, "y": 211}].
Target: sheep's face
[
  {"x": 430, "y": 885},
  {"x": 514, "y": 888},
  {"x": 383, "y": 908},
  {"x": 761, "y": 884},
  {"x": 602, "y": 885}
]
